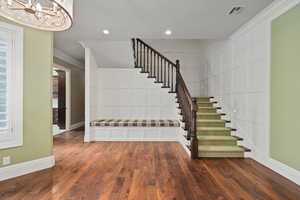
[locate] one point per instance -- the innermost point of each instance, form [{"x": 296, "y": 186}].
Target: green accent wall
[
  {"x": 285, "y": 89},
  {"x": 37, "y": 90}
]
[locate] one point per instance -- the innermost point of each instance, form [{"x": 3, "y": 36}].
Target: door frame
[{"x": 68, "y": 93}]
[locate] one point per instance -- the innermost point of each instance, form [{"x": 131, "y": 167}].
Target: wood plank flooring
[{"x": 147, "y": 170}]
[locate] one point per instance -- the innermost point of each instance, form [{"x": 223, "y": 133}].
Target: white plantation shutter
[
  {"x": 4, "y": 62},
  {"x": 11, "y": 86}
]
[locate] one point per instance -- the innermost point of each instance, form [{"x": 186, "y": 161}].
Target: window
[{"x": 11, "y": 86}]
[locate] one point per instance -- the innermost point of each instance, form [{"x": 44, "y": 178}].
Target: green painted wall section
[
  {"x": 285, "y": 88},
  {"x": 37, "y": 90}
]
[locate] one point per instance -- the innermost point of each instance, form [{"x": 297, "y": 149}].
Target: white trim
[
  {"x": 15, "y": 81},
  {"x": 68, "y": 94},
  {"x": 99, "y": 139},
  {"x": 282, "y": 169},
  {"x": 20, "y": 169},
  {"x": 65, "y": 57},
  {"x": 55, "y": 134},
  {"x": 77, "y": 125},
  {"x": 88, "y": 57}
]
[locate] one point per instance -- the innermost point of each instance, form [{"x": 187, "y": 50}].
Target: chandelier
[{"x": 50, "y": 15}]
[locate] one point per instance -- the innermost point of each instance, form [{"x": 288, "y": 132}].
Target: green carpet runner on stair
[{"x": 215, "y": 139}]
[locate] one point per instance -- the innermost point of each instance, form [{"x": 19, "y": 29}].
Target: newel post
[
  {"x": 134, "y": 52},
  {"x": 194, "y": 141}
]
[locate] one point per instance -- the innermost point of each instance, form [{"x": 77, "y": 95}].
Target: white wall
[
  {"x": 190, "y": 53},
  {"x": 90, "y": 67},
  {"x": 112, "y": 54},
  {"x": 238, "y": 75},
  {"x": 128, "y": 94}
]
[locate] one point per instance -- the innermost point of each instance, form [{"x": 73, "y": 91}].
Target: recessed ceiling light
[
  {"x": 106, "y": 32},
  {"x": 168, "y": 32}
]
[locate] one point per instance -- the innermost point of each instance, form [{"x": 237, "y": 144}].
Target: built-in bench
[
  {"x": 135, "y": 123},
  {"x": 134, "y": 130}
]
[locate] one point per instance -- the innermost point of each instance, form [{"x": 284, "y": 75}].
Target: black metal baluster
[
  {"x": 147, "y": 67},
  {"x": 172, "y": 78},
  {"x": 151, "y": 63},
  {"x": 168, "y": 74},
  {"x": 165, "y": 74},
  {"x": 158, "y": 70},
  {"x": 161, "y": 70},
  {"x": 155, "y": 67},
  {"x": 137, "y": 53},
  {"x": 144, "y": 61}
]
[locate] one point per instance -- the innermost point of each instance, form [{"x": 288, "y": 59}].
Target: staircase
[
  {"x": 214, "y": 138},
  {"x": 206, "y": 131}
]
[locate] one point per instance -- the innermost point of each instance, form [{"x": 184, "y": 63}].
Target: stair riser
[
  {"x": 205, "y": 110},
  {"x": 218, "y": 142},
  {"x": 200, "y": 100},
  {"x": 209, "y": 117},
  {"x": 211, "y": 124},
  {"x": 206, "y": 104},
  {"x": 216, "y": 133},
  {"x": 221, "y": 154}
]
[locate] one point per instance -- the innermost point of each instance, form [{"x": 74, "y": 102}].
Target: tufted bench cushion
[{"x": 135, "y": 123}]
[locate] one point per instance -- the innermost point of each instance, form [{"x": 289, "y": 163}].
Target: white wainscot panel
[{"x": 135, "y": 133}]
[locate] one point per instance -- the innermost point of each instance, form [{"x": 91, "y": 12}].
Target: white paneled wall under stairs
[{"x": 127, "y": 94}]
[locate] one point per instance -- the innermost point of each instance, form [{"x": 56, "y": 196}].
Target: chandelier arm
[
  {"x": 20, "y": 3},
  {"x": 17, "y": 8},
  {"x": 47, "y": 13},
  {"x": 37, "y": 17}
]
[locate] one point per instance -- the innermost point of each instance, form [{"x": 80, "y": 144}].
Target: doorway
[{"x": 61, "y": 100}]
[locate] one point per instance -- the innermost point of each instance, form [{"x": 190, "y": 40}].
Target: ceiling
[{"x": 188, "y": 19}]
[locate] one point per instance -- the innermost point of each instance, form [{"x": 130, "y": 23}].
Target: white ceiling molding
[
  {"x": 201, "y": 19},
  {"x": 65, "y": 57},
  {"x": 271, "y": 12}
]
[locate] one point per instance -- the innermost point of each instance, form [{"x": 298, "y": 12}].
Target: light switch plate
[{"x": 6, "y": 160}]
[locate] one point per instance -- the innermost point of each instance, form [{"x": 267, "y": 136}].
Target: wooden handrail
[
  {"x": 181, "y": 81},
  {"x": 162, "y": 69}
]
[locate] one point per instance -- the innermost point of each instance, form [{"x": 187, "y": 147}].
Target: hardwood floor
[{"x": 148, "y": 170}]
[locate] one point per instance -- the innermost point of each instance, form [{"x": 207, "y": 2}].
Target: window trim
[{"x": 15, "y": 83}]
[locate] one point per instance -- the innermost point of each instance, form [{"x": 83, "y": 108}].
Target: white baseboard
[
  {"x": 20, "y": 169},
  {"x": 280, "y": 168},
  {"x": 135, "y": 140},
  {"x": 77, "y": 125}
]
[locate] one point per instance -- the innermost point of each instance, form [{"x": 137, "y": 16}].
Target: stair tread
[
  {"x": 214, "y": 148},
  {"x": 211, "y": 120},
  {"x": 215, "y": 137},
  {"x": 203, "y": 97},
  {"x": 212, "y": 114},
  {"x": 207, "y": 107},
  {"x": 214, "y": 129}
]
